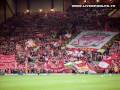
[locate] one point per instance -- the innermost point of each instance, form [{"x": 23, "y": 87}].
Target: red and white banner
[
  {"x": 52, "y": 67},
  {"x": 7, "y": 61},
  {"x": 91, "y": 39},
  {"x": 83, "y": 66},
  {"x": 7, "y": 58},
  {"x": 103, "y": 64},
  {"x": 109, "y": 61}
]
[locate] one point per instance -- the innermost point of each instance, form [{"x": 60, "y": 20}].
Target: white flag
[{"x": 103, "y": 64}]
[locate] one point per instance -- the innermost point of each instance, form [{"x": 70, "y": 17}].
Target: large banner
[
  {"x": 7, "y": 61},
  {"x": 104, "y": 64},
  {"x": 54, "y": 67},
  {"x": 81, "y": 66},
  {"x": 91, "y": 39}
]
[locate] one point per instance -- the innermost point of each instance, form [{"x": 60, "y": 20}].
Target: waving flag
[
  {"x": 106, "y": 63},
  {"x": 30, "y": 43},
  {"x": 81, "y": 66},
  {"x": 103, "y": 64}
]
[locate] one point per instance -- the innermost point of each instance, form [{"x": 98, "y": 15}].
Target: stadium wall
[
  {"x": 8, "y": 12},
  {"x": 35, "y": 5}
]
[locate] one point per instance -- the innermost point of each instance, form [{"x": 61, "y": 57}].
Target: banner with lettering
[
  {"x": 91, "y": 39},
  {"x": 7, "y": 61},
  {"x": 54, "y": 66}
]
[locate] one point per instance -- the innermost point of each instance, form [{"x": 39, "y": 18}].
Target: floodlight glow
[
  {"x": 85, "y": 1},
  {"x": 27, "y": 11},
  {"x": 52, "y": 10},
  {"x": 40, "y": 10},
  {"x": 97, "y": 1}
]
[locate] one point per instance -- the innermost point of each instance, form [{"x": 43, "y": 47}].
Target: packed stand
[{"x": 40, "y": 38}]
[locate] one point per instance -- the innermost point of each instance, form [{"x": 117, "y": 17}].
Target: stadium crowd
[{"x": 40, "y": 38}]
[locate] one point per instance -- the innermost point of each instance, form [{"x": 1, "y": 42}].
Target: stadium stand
[{"x": 36, "y": 42}]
